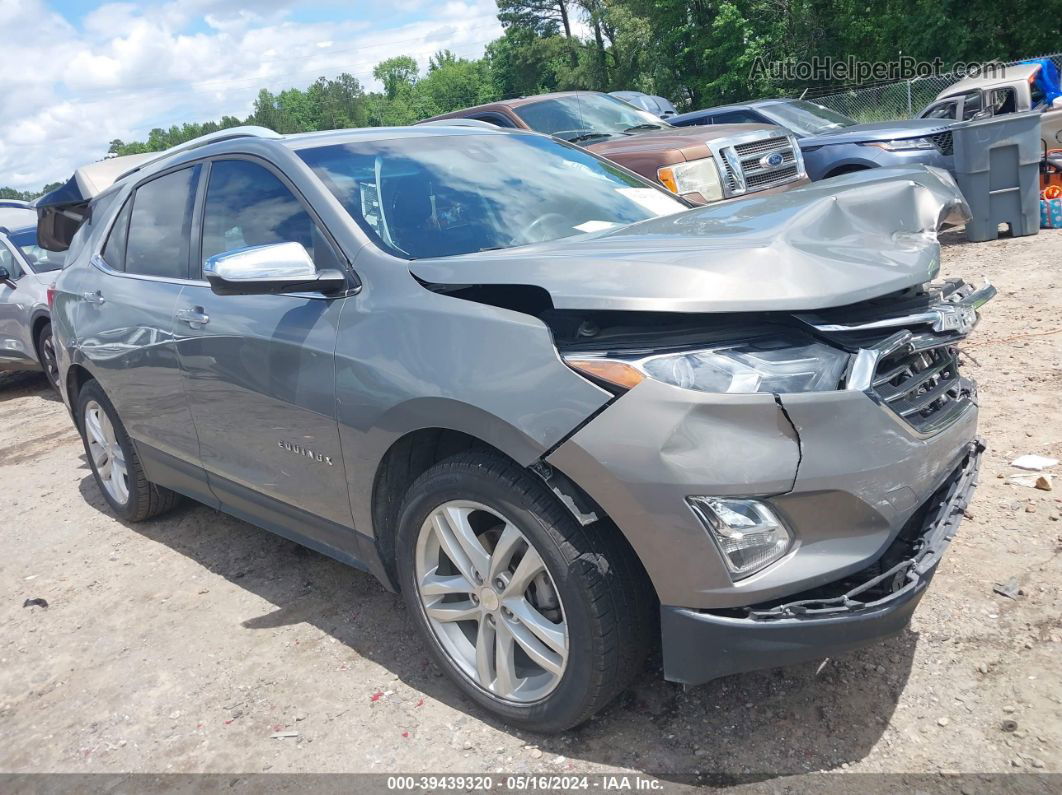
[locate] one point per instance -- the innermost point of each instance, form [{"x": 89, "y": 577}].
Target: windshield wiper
[
  {"x": 646, "y": 126},
  {"x": 588, "y": 137}
]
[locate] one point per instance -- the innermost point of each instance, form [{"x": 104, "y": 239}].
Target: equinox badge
[{"x": 307, "y": 452}]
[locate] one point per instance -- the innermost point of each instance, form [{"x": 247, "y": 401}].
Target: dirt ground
[{"x": 184, "y": 644}]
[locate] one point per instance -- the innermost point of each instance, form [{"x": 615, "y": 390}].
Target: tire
[
  {"x": 46, "y": 355},
  {"x": 127, "y": 490},
  {"x": 591, "y": 582}
]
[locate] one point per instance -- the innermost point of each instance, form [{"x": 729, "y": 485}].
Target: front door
[
  {"x": 260, "y": 371},
  {"x": 125, "y": 326},
  {"x": 15, "y": 305}
]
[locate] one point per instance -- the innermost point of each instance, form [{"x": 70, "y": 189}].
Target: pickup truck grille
[
  {"x": 943, "y": 142},
  {"x": 743, "y": 166},
  {"x": 923, "y": 386},
  {"x": 761, "y": 147}
]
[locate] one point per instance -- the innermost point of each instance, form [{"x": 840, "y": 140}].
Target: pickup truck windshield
[
  {"x": 806, "y": 118},
  {"x": 583, "y": 118},
  {"x": 437, "y": 196}
]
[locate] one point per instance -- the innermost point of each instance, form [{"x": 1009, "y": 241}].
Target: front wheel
[{"x": 535, "y": 617}]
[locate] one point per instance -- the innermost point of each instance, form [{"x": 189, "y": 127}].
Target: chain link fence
[{"x": 902, "y": 100}]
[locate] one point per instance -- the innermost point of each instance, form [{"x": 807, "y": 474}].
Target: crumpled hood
[
  {"x": 880, "y": 131},
  {"x": 835, "y": 242}
]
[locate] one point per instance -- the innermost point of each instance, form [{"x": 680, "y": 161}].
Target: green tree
[
  {"x": 397, "y": 74},
  {"x": 541, "y": 17}
]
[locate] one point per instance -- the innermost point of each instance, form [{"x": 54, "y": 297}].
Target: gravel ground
[{"x": 186, "y": 643}]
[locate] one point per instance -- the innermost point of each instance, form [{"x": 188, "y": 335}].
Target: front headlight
[
  {"x": 904, "y": 144},
  {"x": 696, "y": 176},
  {"x": 768, "y": 364}
]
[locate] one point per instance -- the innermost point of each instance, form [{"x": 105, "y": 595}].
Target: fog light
[{"x": 747, "y": 532}]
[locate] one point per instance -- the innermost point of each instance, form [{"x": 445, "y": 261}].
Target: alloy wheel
[
  {"x": 490, "y": 602},
  {"x": 106, "y": 452}
]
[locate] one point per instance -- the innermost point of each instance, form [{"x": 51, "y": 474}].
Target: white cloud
[{"x": 129, "y": 67}]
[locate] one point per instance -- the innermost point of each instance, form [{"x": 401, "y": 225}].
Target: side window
[
  {"x": 1036, "y": 94},
  {"x": 247, "y": 205},
  {"x": 971, "y": 105},
  {"x": 736, "y": 117},
  {"x": 160, "y": 226},
  {"x": 7, "y": 261},
  {"x": 1001, "y": 100},
  {"x": 493, "y": 118},
  {"x": 942, "y": 110},
  {"x": 114, "y": 248}
]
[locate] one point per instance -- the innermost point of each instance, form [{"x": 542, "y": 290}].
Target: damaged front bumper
[{"x": 701, "y": 645}]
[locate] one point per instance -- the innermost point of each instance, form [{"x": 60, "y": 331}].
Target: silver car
[
  {"x": 26, "y": 273},
  {"x": 567, "y": 415}
]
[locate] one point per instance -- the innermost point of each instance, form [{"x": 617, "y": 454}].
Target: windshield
[
  {"x": 586, "y": 117},
  {"x": 806, "y": 118},
  {"x": 437, "y": 196},
  {"x": 41, "y": 260}
]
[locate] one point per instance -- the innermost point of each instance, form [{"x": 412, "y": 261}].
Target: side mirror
[
  {"x": 269, "y": 270},
  {"x": 5, "y": 277}
]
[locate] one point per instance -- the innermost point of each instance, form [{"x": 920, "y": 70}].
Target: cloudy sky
[{"x": 75, "y": 74}]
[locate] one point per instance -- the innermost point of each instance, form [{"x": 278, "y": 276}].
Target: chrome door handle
[
  {"x": 196, "y": 318},
  {"x": 93, "y": 297}
]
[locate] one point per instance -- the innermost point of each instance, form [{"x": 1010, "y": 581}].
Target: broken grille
[{"x": 922, "y": 386}]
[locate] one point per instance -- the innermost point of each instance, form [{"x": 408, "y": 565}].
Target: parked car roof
[
  {"x": 16, "y": 216},
  {"x": 650, "y": 102},
  {"x": 995, "y": 77}
]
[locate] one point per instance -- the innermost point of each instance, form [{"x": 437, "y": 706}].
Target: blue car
[{"x": 834, "y": 144}]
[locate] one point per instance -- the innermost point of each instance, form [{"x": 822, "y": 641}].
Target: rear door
[
  {"x": 125, "y": 325},
  {"x": 260, "y": 369}
]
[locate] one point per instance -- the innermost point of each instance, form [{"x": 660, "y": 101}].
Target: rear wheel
[
  {"x": 114, "y": 461},
  {"x": 46, "y": 355},
  {"x": 535, "y": 617}
]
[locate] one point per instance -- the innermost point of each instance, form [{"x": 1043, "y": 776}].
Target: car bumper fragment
[{"x": 878, "y": 602}]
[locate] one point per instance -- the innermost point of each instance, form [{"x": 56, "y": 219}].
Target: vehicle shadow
[
  {"x": 750, "y": 727},
  {"x": 21, "y": 383}
]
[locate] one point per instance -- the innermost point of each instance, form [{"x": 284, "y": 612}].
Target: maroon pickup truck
[{"x": 701, "y": 164}]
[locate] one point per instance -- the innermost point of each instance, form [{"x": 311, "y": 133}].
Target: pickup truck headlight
[
  {"x": 696, "y": 176},
  {"x": 904, "y": 144},
  {"x": 770, "y": 364}
]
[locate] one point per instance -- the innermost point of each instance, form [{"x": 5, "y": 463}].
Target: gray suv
[{"x": 567, "y": 415}]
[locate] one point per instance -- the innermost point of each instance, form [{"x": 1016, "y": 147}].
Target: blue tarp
[{"x": 1047, "y": 78}]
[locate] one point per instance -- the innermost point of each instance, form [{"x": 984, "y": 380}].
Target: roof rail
[
  {"x": 246, "y": 131},
  {"x": 459, "y": 123}
]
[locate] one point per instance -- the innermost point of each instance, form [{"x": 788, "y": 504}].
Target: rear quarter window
[{"x": 114, "y": 249}]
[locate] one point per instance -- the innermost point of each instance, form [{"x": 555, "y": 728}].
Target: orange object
[{"x": 1051, "y": 192}]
